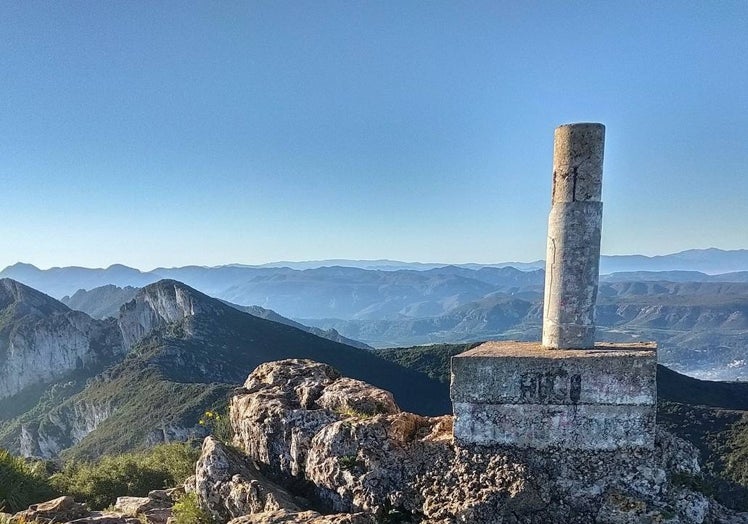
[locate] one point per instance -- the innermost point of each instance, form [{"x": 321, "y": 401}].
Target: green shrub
[
  {"x": 347, "y": 462},
  {"x": 187, "y": 511},
  {"x": 129, "y": 474},
  {"x": 736, "y": 452},
  {"x": 21, "y": 483},
  {"x": 693, "y": 482}
]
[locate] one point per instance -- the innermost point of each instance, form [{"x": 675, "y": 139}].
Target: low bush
[
  {"x": 187, "y": 511},
  {"x": 130, "y": 474}
]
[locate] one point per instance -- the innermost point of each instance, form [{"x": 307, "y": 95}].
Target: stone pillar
[
  {"x": 573, "y": 252},
  {"x": 520, "y": 393}
]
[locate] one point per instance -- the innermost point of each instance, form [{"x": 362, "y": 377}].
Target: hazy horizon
[
  {"x": 161, "y": 135},
  {"x": 368, "y": 260}
]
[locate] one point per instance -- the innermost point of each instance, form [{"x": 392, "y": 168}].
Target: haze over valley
[{"x": 694, "y": 303}]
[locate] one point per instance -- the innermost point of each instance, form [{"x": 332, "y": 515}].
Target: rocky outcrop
[
  {"x": 346, "y": 447},
  {"x": 61, "y": 509},
  {"x": 156, "y": 508},
  {"x": 231, "y": 486},
  {"x": 285, "y": 403},
  {"x": 233, "y": 489}
]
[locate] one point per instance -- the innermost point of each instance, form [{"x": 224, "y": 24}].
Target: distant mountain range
[
  {"x": 712, "y": 261},
  {"x": 339, "y": 292},
  {"x": 218, "y": 280},
  {"x": 106, "y": 301},
  {"x": 699, "y": 319},
  {"x": 702, "y": 327}
]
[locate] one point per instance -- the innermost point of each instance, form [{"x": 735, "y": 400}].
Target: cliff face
[
  {"x": 62, "y": 428},
  {"x": 347, "y": 447},
  {"x": 185, "y": 350},
  {"x": 42, "y": 340},
  {"x": 155, "y": 306}
]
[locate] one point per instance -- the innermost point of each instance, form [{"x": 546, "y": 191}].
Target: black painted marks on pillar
[
  {"x": 575, "y": 388},
  {"x": 550, "y": 387}
]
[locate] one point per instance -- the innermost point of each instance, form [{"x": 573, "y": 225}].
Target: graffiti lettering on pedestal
[{"x": 551, "y": 387}]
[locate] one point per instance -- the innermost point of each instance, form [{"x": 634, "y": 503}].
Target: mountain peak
[
  {"x": 159, "y": 304},
  {"x": 20, "y": 270},
  {"x": 123, "y": 268},
  {"x": 23, "y": 265},
  {"x": 168, "y": 291},
  {"x": 13, "y": 292}
]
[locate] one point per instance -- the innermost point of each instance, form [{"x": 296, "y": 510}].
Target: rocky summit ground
[
  {"x": 312, "y": 446},
  {"x": 156, "y": 508}
]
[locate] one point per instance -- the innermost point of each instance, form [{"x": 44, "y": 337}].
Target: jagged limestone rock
[
  {"x": 280, "y": 399},
  {"x": 350, "y": 396},
  {"x": 156, "y": 508},
  {"x": 61, "y": 509},
  {"x": 371, "y": 464},
  {"x": 229, "y": 485},
  {"x": 394, "y": 463},
  {"x": 133, "y": 506}
]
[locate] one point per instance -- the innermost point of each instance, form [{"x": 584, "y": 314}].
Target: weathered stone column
[
  {"x": 520, "y": 393},
  {"x": 573, "y": 252}
]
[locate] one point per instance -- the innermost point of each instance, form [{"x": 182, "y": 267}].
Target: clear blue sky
[{"x": 172, "y": 133}]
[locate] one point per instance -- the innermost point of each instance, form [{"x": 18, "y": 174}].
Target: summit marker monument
[
  {"x": 568, "y": 392},
  {"x": 573, "y": 252}
]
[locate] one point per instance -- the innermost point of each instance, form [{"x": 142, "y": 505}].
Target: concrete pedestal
[{"x": 521, "y": 394}]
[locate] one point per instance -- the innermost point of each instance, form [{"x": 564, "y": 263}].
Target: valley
[
  {"x": 699, "y": 320},
  {"x": 172, "y": 353}
]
